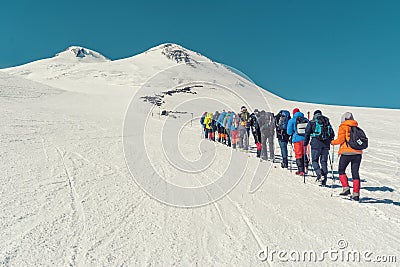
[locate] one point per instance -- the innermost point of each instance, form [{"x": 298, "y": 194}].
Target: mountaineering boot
[
  {"x": 346, "y": 192},
  {"x": 300, "y": 166},
  {"x": 284, "y": 165},
  {"x": 356, "y": 190},
  {"x": 304, "y": 165},
  {"x": 321, "y": 177},
  {"x": 345, "y": 184},
  {"x": 323, "y": 182}
]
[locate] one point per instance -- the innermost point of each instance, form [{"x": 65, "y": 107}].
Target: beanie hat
[
  {"x": 318, "y": 112},
  {"x": 347, "y": 116},
  {"x": 295, "y": 110}
]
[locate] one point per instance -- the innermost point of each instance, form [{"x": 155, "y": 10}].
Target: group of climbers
[
  {"x": 233, "y": 129},
  {"x": 220, "y": 127}
]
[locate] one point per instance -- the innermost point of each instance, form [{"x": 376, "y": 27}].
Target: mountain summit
[
  {"x": 82, "y": 54},
  {"x": 180, "y": 54}
]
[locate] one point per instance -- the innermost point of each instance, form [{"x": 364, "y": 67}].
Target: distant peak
[
  {"x": 169, "y": 45},
  {"x": 82, "y": 53},
  {"x": 179, "y": 54}
]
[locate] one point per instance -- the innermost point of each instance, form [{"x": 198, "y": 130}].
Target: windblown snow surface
[{"x": 68, "y": 196}]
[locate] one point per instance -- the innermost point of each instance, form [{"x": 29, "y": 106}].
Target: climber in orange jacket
[{"x": 347, "y": 155}]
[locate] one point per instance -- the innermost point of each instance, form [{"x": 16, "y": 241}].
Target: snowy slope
[{"x": 68, "y": 197}]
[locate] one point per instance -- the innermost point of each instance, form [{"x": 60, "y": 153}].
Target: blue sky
[{"x": 344, "y": 52}]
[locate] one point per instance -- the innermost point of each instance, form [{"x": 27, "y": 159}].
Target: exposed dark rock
[
  {"x": 155, "y": 100},
  {"x": 178, "y": 54},
  {"x": 187, "y": 89},
  {"x": 158, "y": 98}
]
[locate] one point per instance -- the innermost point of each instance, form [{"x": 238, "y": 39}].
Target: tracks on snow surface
[{"x": 78, "y": 214}]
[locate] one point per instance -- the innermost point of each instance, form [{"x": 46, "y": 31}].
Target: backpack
[
  {"x": 202, "y": 120},
  {"x": 225, "y": 121},
  {"x": 236, "y": 121},
  {"x": 323, "y": 129},
  {"x": 270, "y": 122},
  {"x": 244, "y": 116},
  {"x": 282, "y": 120},
  {"x": 253, "y": 121},
  {"x": 269, "y": 116},
  {"x": 213, "y": 124},
  {"x": 358, "y": 138},
  {"x": 301, "y": 124}
]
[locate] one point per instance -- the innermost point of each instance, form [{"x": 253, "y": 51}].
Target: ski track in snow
[{"x": 78, "y": 212}]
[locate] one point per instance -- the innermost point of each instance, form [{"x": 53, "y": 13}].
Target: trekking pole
[
  {"x": 331, "y": 160},
  {"x": 312, "y": 168},
  {"x": 304, "y": 166},
  {"x": 291, "y": 157},
  {"x": 309, "y": 162},
  {"x": 309, "y": 149}
]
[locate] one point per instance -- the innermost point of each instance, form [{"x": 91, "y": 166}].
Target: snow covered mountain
[
  {"x": 79, "y": 63},
  {"x": 72, "y": 124}
]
